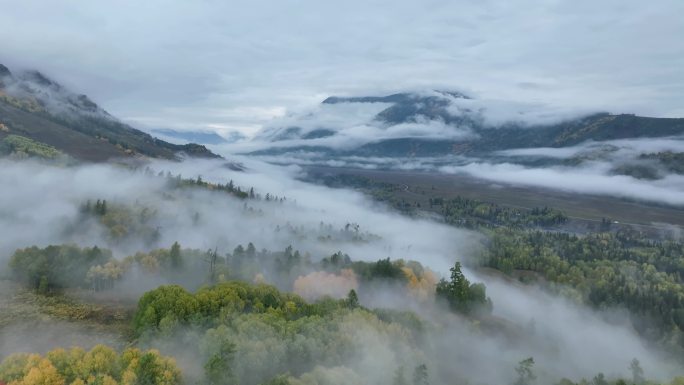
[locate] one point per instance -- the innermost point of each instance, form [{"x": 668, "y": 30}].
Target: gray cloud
[
  {"x": 623, "y": 148},
  {"x": 594, "y": 178},
  {"x": 224, "y": 66},
  {"x": 29, "y": 216},
  {"x": 568, "y": 340}
]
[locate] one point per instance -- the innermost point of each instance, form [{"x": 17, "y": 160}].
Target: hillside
[
  {"x": 447, "y": 123},
  {"x": 35, "y": 107}
]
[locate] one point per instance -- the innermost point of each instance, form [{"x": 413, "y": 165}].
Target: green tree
[
  {"x": 399, "y": 377},
  {"x": 56, "y": 266},
  {"x": 385, "y": 269},
  {"x": 600, "y": 379},
  {"x": 278, "y": 380},
  {"x": 420, "y": 375},
  {"x": 460, "y": 294},
  {"x": 218, "y": 370},
  {"x": 637, "y": 372},
  {"x": 44, "y": 285},
  {"x": 251, "y": 250},
  {"x": 525, "y": 372},
  {"x": 239, "y": 251},
  {"x": 175, "y": 256},
  {"x": 352, "y": 299},
  {"x": 148, "y": 371},
  {"x": 172, "y": 302}
]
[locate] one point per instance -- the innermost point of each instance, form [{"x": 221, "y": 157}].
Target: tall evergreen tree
[{"x": 175, "y": 256}]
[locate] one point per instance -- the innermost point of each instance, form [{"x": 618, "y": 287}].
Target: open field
[
  {"x": 421, "y": 186},
  {"x": 38, "y": 323}
]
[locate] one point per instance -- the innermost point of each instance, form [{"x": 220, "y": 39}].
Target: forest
[
  {"x": 287, "y": 292},
  {"x": 604, "y": 270},
  {"x": 341, "y": 192}
]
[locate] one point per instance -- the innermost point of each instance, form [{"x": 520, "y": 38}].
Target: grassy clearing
[
  {"x": 20, "y": 306},
  {"x": 419, "y": 187}
]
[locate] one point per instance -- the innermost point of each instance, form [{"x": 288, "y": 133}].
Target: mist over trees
[
  {"x": 341, "y": 192},
  {"x": 241, "y": 285},
  {"x": 604, "y": 270}
]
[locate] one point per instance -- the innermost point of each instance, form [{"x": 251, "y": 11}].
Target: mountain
[
  {"x": 439, "y": 123},
  {"x": 40, "y": 109}
]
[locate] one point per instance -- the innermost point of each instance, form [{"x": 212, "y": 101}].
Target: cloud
[
  {"x": 352, "y": 136},
  {"x": 568, "y": 339},
  {"x": 202, "y": 219},
  {"x": 591, "y": 179},
  {"x": 320, "y": 283},
  {"x": 495, "y": 113},
  {"x": 347, "y": 125},
  {"x": 623, "y": 148},
  {"x": 525, "y": 305},
  {"x": 210, "y": 63}
]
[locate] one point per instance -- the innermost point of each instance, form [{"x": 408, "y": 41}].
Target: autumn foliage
[{"x": 101, "y": 365}]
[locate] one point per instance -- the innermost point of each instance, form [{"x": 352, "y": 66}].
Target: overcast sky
[{"x": 227, "y": 65}]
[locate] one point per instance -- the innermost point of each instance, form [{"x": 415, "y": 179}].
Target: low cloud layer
[
  {"x": 564, "y": 332},
  {"x": 543, "y": 313},
  {"x": 347, "y": 125},
  {"x": 590, "y": 179},
  {"x": 320, "y": 283},
  {"x": 587, "y": 168},
  {"x": 624, "y": 148},
  {"x": 32, "y": 217}
]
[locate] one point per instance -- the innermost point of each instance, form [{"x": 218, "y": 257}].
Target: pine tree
[
  {"x": 175, "y": 256},
  {"x": 526, "y": 375},
  {"x": 352, "y": 299},
  {"x": 637, "y": 372},
  {"x": 399, "y": 378},
  {"x": 420, "y": 375},
  {"x": 251, "y": 250}
]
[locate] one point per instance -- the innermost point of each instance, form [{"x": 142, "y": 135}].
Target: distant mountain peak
[
  {"x": 402, "y": 97},
  {"x": 394, "y": 98},
  {"x": 436, "y": 123}
]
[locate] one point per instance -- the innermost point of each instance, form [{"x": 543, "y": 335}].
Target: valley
[
  {"x": 341, "y": 193},
  {"x": 587, "y": 211}
]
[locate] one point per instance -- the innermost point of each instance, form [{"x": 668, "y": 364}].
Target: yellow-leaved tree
[{"x": 99, "y": 366}]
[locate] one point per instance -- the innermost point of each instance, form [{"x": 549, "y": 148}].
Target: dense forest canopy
[{"x": 100, "y": 365}]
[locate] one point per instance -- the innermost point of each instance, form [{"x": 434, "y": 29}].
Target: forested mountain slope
[{"x": 35, "y": 107}]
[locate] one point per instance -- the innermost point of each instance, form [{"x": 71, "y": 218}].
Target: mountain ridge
[
  {"x": 34, "y": 106},
  {"x": 453, "y": 113}
]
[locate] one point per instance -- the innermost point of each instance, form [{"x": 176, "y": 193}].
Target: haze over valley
[{"x": 322, "y": 194}]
